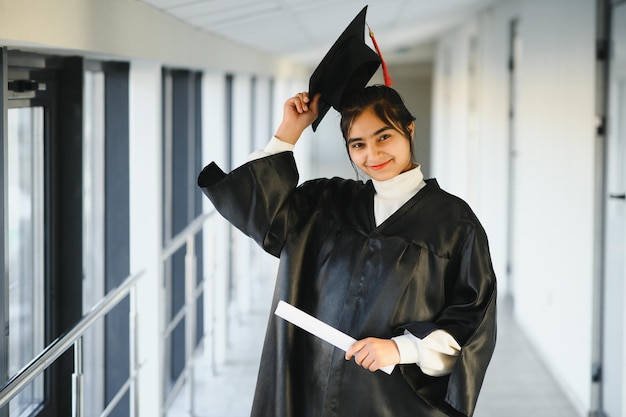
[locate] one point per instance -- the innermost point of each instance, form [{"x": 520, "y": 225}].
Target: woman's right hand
[{"x": 299, "y": 112}]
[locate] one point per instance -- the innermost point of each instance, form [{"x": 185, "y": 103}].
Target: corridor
[{"x": 517, "y": 383}]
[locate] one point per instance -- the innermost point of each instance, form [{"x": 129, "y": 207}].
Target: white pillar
[
  {"x": 216, "y": 233},
  {"x": 145, "y": 228},
  {"x": 241, "y": 149}
]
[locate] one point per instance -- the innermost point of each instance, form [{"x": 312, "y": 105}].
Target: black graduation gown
[{"x": 426, "y": 267}]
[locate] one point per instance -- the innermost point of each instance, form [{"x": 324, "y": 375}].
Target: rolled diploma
[{"x": 318, "y": 328}]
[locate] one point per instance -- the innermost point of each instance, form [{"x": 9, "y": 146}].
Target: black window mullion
[
  {"x": 228, "y": 123},
  {"x": 196, "y": 162},
  {"x": 66, "y": 191},
  {"x": 117, "y": 223},
  {"x": 4, "y": 293},
  {"x": 181, "y": 130},
  {"x": 63, "y": 154}
]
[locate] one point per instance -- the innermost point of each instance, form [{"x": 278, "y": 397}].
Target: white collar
[{"x": 402, "y": 186}]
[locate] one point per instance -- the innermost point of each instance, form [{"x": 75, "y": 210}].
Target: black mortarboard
[{"x": 347, "y": 67}]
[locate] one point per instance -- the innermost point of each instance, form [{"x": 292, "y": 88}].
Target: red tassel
[{"x": 384, "y": 65}]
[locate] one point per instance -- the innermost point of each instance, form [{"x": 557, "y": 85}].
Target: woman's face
[{"x": 379, "y": 150}]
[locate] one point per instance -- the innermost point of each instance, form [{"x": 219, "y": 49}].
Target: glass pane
[
  {"x": 93, "y": 238},
  {"x": 26, "y": 248}
]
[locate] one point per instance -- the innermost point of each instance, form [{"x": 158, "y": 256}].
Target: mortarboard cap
[{"x": 347, "y": 67}]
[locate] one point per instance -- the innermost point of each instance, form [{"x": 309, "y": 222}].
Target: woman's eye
[
  {"x": 356, "y": 145},
  {"x": 384, "y": 137}
]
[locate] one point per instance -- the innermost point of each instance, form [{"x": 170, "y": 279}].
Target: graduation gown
[{"x": 426, "y": 267}]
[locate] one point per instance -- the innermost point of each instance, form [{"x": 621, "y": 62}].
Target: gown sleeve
[
  {"x": 470, "y": 317},
  {"x": 258, "y": 198}
]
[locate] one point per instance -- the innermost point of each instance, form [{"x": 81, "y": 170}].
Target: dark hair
[{"x": 386, "y": 104}]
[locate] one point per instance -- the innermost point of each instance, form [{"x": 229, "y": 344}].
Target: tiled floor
[{"x": 517, "y": 383}]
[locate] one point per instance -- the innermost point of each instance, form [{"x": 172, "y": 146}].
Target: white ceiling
[{"x": 304, "y": 29}]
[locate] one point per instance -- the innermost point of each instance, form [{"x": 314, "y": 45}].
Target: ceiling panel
[
  {"x": 304, "y": 29},
  {"x": 223, "y": 14}
]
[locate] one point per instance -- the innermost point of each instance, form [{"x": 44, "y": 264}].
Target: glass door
[
  {"x": 613, "y": 354},
  {"x": 26, "y": 257}
]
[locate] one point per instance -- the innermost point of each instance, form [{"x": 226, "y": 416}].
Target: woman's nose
[{"x": 374, "y": 150}]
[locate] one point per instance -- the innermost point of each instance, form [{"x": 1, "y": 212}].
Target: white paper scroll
[{"x": 318, "y": 328}]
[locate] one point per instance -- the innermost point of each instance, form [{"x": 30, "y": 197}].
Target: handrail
[
  {"x": 181, "y": 237},
  {"x": 60, "y": 345},
  {"x": 185, "y": 238}
]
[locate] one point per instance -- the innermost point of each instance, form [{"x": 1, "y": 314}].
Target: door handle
[{"x": 618, "y": 196}]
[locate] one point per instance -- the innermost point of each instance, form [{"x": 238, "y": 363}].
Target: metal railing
[
  {"x": 193, "y": 289},
  {"x": 74, "y": 338}
]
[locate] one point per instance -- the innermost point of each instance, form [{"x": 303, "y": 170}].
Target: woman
[{"x": 395, "y": 262}]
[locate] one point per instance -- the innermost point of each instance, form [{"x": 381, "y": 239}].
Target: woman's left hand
[{"x": 373, "y": 353}]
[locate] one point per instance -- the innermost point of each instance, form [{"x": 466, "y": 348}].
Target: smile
[{"x": 380, "y": 166}]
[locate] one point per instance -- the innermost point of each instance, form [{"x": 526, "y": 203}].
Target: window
[
  {"x": 66, "y": 202},
  {"x": 93, "y": 236},
  {"x": 39, "y": 237},
  {"x": 182, "y": 204},
  {"x": 26, "y": 257}
]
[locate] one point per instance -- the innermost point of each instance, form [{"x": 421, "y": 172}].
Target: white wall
[
  {"x": 414, "y": 83},
  {"x": 554, "y": 180},
  {"x": 492, "y": 164},
  {"x": 556, "y": 157},
  {"x": 475, "y": 167}
]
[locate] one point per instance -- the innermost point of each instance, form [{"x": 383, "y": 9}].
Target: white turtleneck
[
  {"x": 436, "y": 353},
  {"x": 395, "y": 192}
]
